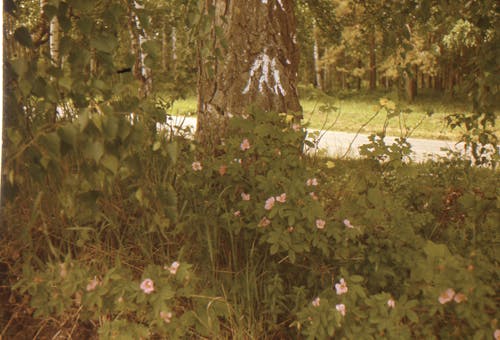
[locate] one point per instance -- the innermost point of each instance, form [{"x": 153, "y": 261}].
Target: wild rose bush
[{"x": 281, "y": 245}]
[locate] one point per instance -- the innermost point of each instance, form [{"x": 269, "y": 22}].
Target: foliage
[
  {"x": 113, "y": 221},
  {"x": 276, "y": 239}
]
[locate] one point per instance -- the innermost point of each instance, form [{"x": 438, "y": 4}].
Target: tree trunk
[
  {"x": 164, "y": 48},
  {"x": 258, "y": 66},
  {"x": 373, "y": 62},
  {"x": 411, "y": 84},
  {"x": 317, "y": 68},
  {"x": 174, "y": 49},
  {"x": 54, "y": 42},
  {"x": 138, "y": 37},
  {"x": 358, "y": 82}
]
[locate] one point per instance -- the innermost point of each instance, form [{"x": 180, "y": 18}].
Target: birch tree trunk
[
  {"x": 258, "y": 66},
  {"x": 54, "y": 42},
  {"x": 137, "y": 37}
]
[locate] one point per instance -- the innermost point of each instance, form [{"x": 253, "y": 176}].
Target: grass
[{"x": 354, "y": 111}]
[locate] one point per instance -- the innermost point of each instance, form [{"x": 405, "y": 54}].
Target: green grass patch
[{"x": 426, "y": 118}]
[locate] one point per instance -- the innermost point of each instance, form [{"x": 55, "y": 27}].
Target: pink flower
[
  {"x": 296, "y": 127},
  {"x": 348, "y": 224},
  {"x": 173, "y": 267},
  {"x": 237, "y": 213},
  {"x": 320, "y": 224},
  {"x": 245, "y": 145},
  {"x": 166, "y": 316},
  {"x": 496, "y": 334},
  {"x": 290, "y": 229},
  {"x": 341, "y": 308},
  {"x": 341, "y": 287},
  {"x": 147, "y": 286},
  {"x": 92, "y": 285},
  {"x": 316, "y": 302},
  {"x": 269, "y": 203},
  {"x": 245, "y": 197},
  {"x": 460, "y": 297},
  {"x": 196, "y": 166},
  {"x": 312, "y": 181},
  {"x": 391, "y": 303},
  {"x": 264, "y": 222},
  {"x": 313, "y": 196},
  {"x": 281, "y": 198},
  {"x": 446, "y": 296}
]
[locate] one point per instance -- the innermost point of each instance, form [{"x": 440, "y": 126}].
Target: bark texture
[{"x": 257, "y": 64}]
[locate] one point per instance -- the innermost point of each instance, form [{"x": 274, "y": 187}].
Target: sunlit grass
[{"x": 351, "y": 113}]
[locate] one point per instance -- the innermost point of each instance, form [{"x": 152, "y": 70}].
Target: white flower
[
  {"x": 391, "y": 303},
  {"x": 320, "y": 224},
  {"x": 269, "y": 203},
  {"x": 341, "y": 287},
  {"x": 147, "y": 286},
  {"x": 460, "y": 297},
  {"x": 316, "y": 302},
  {"x": 245, "y": 197},
  {"x": 312, "y": 181},
  {"x": 281, "y": 198},
  {"x": 196, "y": 166},
  {"x": 166, "y": 316},
  {"x": 341, "y": 308},
  {"x": 264, "y": 222},
  {"x": 348, "y": 224},
  {"x": 173, "y": 267},
  {"x": 446, "y": 296},
  {"x": 92, "y": 285},
  {"x": 245, "y": 145}
]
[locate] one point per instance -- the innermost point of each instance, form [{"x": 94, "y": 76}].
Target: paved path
[{"x": 336, "y": 143}]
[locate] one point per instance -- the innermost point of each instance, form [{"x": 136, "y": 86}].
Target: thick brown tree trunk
[{"x": 258, "y": 66}]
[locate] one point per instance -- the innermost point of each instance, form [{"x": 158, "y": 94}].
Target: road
[{"x": 336, "y": 143}]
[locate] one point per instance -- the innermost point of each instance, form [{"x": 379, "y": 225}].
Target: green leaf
[
  {"x": 22, "y": 35},
  {"x": 111, "y": 163},
  {"x": 49, "y": 11},
  {"x": 20, "y": 66},
  {"x": 105, "y": 43},
  {"x": 172, "y": 151},
  {"x": 356, "y": 279},
  {"x": 52, "y": 143},
  {"x": 85, "y": 24},
  {"x": 94, "y": 150},
  {"x": 412, "y": 316},
  {"x": 68, "y": 134}
]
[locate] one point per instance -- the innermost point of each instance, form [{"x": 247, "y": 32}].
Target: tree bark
[
  {"x": 54, "y": 42},
  {"x": 257, "y": 67},
  {"x": 137, "y": 37},
  {"x": 317, "y": 68},
  {"x": 373, "y": 62}
]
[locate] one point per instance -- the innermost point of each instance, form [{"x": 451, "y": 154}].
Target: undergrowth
[{"x": 116, "y": 230}]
